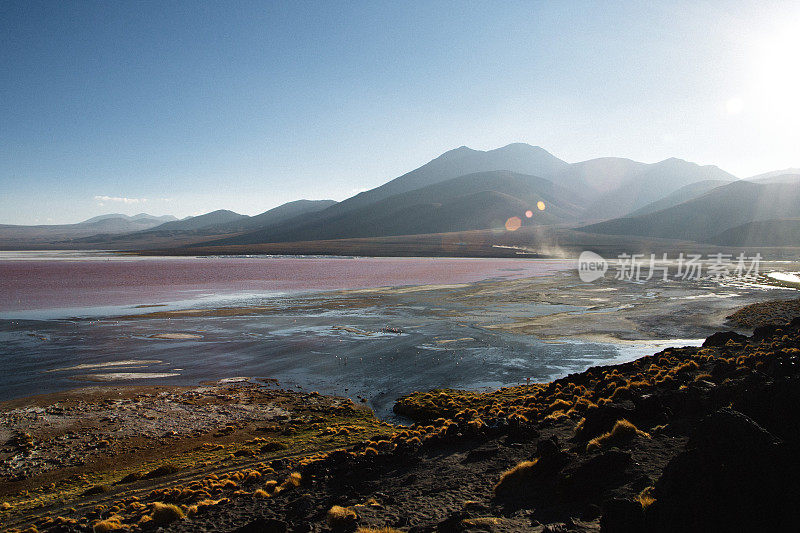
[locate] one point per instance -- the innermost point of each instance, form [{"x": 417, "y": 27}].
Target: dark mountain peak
[
  {"x": 673, "y": 163},
  {"x": 223, "y": 212},
  {"x": 513, "y": 150},
  {"x": 455, "y": 153},
  {"x": 521, "y": 148},
  {"x": 677, "y": 163},
  {"x": 220, "y": 216}
]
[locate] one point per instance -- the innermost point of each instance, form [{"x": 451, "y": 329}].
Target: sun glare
[
  {"x": 778, "y": 77},
  {"x": 513, "y": 223},
  {"x": 734, "y": 105}
]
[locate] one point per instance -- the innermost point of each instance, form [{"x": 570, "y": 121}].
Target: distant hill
[
  {"x": 475, "y": 190},
  {"x": 777, "y": 176},
  {"x": 599, "y": 176},
  {"x": 518, "y": 157},
  {"x": 711, "y": 214},
  {"x": 641, "y": 185},
  {"x": 595, "y": 189},
  {"x": 688, "y": 192},
  {"x": 275, "y": 215},
  {"x": 761, "y": 233},
  {"x": 14, "y": 236},
  {"x": 221, "y": 216},
  {"x": 190, "y": 230},
  {"x": 475, "y": 201},
  {"x": 139, "y": 217}
]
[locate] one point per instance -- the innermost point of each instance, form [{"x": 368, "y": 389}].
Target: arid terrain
[{"x": 688, "y": 438}]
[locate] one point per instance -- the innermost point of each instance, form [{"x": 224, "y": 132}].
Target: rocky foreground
[{"x": 689, "y": 439}]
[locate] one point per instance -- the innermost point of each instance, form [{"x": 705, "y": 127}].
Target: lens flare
[
  {"x": 540, "y": 205},
  {"x": 513, "y": 223},
  {"x": 529, "y": 213}
]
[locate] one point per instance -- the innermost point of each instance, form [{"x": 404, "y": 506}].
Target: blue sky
[{"x": 182, "y": 108}]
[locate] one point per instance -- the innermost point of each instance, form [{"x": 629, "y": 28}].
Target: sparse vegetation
[
  {"x": 516, "y": 478},
  {"x": 165, "y": 513},
  {"x": 572, "y": 402},
  {"x": 109, "y": 524},
  {"x": 622, "y": 433},
  {"x": 646, "y": 497},
  {"x": 341, "y": 517}
]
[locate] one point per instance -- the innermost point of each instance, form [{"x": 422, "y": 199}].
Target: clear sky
[{"x": 182, "y": 108}]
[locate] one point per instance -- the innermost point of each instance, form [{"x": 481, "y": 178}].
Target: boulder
[{"x": 721, "y": 338}]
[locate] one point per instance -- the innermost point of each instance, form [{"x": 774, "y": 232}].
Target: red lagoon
[{"x": 33, "y": 283}]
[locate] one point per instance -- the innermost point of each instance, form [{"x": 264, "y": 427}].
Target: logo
[{"x": 591, "y": 267}]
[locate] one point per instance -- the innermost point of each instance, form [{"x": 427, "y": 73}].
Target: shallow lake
[{"x": 69, "y": 321}]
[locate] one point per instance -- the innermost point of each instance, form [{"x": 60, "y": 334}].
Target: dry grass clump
[
  {"x": 622, "y": 433},
  {"x": 291, "y": 482},
  {"x": 203, "y": 505},
  {"x": 645, "y": 498},
  {"x": 109, "y": 524},
  {"x": 482, "y": 522},
  {"x": 253, "y": 476},
  {"x": 378, "y": 530},
  {"x": 513, "y": 479},
  {"x": 339, "y": 517},
  {"x": 166, "y": 513}
]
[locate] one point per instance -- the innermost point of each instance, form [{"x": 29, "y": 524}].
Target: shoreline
[
  {"x": 456, "y": 443},
  {"x": 443, "y": 330}
]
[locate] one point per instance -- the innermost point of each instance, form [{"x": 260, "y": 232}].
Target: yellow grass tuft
[
  {"x": 645, "y": 498},
  {"x": 339, "y": 516},
  {"x": 166, "y": 513},
  {"x": 482, "y": 523},
  {"x": 291, "y": 482},
  {"x": 513, "y": 478},
  {"x": 622, "y": 432},
  {"x": 109, "y": 524}
]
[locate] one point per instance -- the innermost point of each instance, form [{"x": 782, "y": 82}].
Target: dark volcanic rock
[
  {"x": 599, "y": 471},
  {"x": 622, "y": 516},
  {"x": 721, "y": 338},
  {"x": 264, "y": 525},
  {"x": 734, "y": 476},
  {"x": 598, "y": 420}
]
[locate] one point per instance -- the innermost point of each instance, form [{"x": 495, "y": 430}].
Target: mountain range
[
  {"x": 516, "y": 186},
  {"x": 712, "y": 216}
]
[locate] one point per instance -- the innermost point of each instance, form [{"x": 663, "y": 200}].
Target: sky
[{"x": 186, "y": 107}]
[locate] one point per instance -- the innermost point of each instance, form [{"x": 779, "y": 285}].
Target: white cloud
[{"x": 120, "y": 199}]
